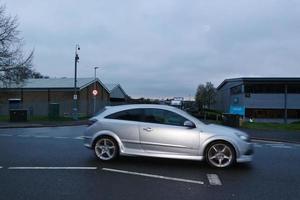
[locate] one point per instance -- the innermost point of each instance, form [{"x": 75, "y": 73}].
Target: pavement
[
  {"x": 42, "y": 124},
  {"x": 279, "y": 136},
  {"x": 274, "y": 135},
  {"x": 52, "y": 163}
]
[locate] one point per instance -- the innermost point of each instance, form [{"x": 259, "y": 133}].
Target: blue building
[{"x": 264, "y": 99}]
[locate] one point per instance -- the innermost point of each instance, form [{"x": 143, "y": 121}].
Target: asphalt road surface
[{"x": 52, "y": 163}]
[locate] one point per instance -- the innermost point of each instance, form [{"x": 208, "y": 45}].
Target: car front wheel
[
  {"x": 106, "y": 148},
  {"x": 220, "y": 154}
]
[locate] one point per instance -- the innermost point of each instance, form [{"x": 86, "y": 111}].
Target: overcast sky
[{"x": 162, "y": 48}]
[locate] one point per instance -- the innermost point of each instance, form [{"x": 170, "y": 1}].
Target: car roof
[
  {"x": 135, "y": 106},
  {"x": 113, "y": 109}
]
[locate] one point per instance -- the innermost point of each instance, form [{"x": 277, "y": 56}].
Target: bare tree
[{"x": 14, "y": 65}]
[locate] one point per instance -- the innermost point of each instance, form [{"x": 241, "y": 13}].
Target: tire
[
  {"x": 220, "y": 154},
  {"x": 106, "y": 148}
]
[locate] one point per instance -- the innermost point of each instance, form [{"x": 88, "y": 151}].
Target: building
[
  {"x": 36, "y": 95},
  {"x": 116, "y": 93},
  {"x": 264, "y": 99}
]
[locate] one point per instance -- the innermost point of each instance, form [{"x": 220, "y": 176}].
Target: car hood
[{"x": 214, "y": 128}]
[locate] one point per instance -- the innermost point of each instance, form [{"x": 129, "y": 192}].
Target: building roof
[
  {"x": 112, "y": 86},
  {"x": 260, "y": 79},
  {"x": 54, "y": 83}
]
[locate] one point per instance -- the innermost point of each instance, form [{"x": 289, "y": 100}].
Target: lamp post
[
  {"x": 75, "y": 109},
  {"x": 95, "y": 88}
]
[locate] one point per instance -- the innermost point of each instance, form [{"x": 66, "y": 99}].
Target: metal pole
[
  {"x": 75, "y": 109},
  {"x": 95, "y": 88},
  {"x": 285, "y": 104}
]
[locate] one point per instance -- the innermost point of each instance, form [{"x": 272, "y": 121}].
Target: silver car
[{"x": 165, "y": 132}]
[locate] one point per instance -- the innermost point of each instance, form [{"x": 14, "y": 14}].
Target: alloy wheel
[
  {"x": 220, "y": 155},
  {"x": 106, "y": 149}
]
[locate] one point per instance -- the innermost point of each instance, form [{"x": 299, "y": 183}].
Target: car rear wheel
[
  {"x": 106, "y": 148},
  {"x": 220, "y": 154}
]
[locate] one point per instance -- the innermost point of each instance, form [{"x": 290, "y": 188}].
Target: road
[{"x": 51, "y": 163}]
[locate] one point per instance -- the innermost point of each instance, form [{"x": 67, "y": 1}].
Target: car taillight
[{"x": 91, "y": 122}]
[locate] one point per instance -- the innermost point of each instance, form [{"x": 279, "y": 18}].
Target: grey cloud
[{"x": 162, "y": 48}]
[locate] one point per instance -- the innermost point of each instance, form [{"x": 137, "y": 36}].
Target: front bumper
[{"x": 247, "y": 155}]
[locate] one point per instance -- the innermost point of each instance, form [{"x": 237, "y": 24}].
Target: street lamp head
[{"x": 77, "y": 48}]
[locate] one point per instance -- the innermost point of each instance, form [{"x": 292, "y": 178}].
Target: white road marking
[
  {"x": 266, "y": 141},
  {"x": 153, "y": 176},
  {"x": 6, "y": 135},
  {"x": 214, "y": 179},
  {"x": 281, "y": 146},
  {"x": 60, "y": 137},
  {"x": 52, "y": 168},
  {"x": 257, "y": 145},
  {"x": 78, "y": 138},
  {"x": 275, "y": 144},
  {"x": 41, "y": 136},
  {"x": 24, "y": 135},
  {"x": 1, "y": 167}
]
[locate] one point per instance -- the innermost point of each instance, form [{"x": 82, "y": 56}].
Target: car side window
[
  {"x": 160, "y": 116},
  {"x": 172, "y": 118},
  {"x": 129, "y": 115},
  {"x": 154, "y": 116}
]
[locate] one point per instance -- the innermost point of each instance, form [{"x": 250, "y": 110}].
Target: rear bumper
[{"x": 87, "y": 142}]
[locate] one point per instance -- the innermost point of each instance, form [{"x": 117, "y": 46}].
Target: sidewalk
[
  {"x": 42, "y": 124},
  {"x": 273, "y": 135}
]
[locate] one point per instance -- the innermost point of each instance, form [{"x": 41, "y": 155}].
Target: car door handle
[{"x": 148, "y": 129}]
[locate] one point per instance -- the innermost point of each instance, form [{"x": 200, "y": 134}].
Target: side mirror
[{"x": 189, "y": 124}]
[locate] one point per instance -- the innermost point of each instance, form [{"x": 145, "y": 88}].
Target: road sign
[
  {"x": 238, "y": 110},
  {"x": 75, "y": 96},
  {"x": 95, "y": 92}
]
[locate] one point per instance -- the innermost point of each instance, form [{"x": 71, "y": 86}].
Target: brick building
[{"x": 36, "y": 94}]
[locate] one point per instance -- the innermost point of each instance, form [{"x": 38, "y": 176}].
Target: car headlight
[{"x": 244, "y": 137}]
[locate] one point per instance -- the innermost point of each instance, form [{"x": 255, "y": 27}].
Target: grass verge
[{"x": 272, "y": 126}]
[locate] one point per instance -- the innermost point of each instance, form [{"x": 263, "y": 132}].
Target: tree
[
  {"x": 205, "y": 95},
  {"x": 15, "y": 67}
]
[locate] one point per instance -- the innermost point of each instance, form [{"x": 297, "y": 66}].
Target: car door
[
  {"x": 162, "y": 131},
  {"x": 125, "y": 124}
]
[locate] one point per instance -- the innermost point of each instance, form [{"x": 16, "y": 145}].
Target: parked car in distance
[{"x": 165, "y": 132}]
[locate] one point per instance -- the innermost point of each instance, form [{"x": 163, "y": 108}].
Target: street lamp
[
  {"x": 75, "y": 109},
  {"x": 95, "y": 88}
]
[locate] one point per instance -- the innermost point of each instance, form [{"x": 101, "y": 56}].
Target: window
[
  {"x": 174, "y": 119},
  {"x": 130, "y": 115},
  {"x": 264, "y": 88},
  {"x": 160, "y": 116},
  {"x": 293, "y": 113},
  {"x": 236, "y": 90},
  {"x": 293, "y": 88},
  {"x": 264, "y": 113}
]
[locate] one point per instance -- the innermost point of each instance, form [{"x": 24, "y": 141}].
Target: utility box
[
  {"x": 18, "y": 115},
  {"x": 232, "y": 120},
  {"x": 53, "y": 111}
]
